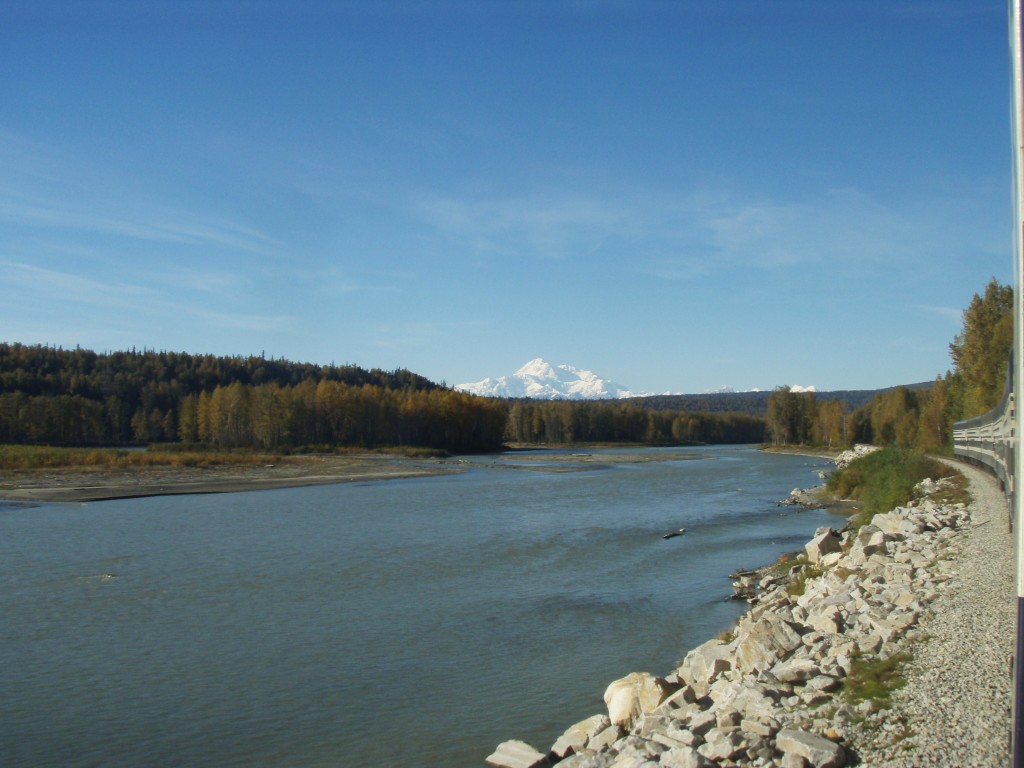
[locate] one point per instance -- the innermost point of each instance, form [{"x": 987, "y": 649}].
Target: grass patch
[
  {"x": 403, "y": 451},
  {"x": 875, "y": 680},
  {"x": 798, "y": 567},
  {"x": 957, "y": 494},
  {"x": 42, "y": 457},
  {"x": 885, "y": 479},
  {"x": 785, "y": 564},
  {"x": 37, "y": 457},
  {"x": 727, "y": 635},
  {"x": 798, "y": 585}
]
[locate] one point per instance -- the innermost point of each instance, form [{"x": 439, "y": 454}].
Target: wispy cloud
[
  {"x": 223, "y": 284},
  {"x": 401, "y": 336},
  {"x": 332, "y": 282},
  {"x": 689, "y": 237},
  {"x": 951, "y": 313},
  {"x": 71, "y": 287},
  {"x": 140, "y": 300},
  {"x": 154, "y": 225},
  {"x": 540, "y": 225},
  {"x": 842, "y": 225},
  {"x": 46, "y": 188},
  {"x": 242, "y": 321}
]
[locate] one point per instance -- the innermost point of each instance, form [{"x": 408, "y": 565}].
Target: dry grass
[{"x": 29, "y": 457}]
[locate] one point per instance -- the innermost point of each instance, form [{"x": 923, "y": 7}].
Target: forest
[
  {"x": 53, "y": 396},
  {"x": 751, "y": 403},
  {"x": 601, "y": 421},
  {"x": 913, "y": 417},
  {"x": 78, "y": 397}
]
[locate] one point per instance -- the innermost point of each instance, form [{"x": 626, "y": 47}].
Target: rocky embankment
[{"x": 780, "y": 689}]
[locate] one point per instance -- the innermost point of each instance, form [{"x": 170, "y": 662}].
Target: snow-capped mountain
[
  {"x": 540, "y": 380},
  {"x": 725, "y": 389}
]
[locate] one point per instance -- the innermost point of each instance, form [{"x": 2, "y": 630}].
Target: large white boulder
[
  {"x": 762, "y": 643},
  {"x": 667, "y": 731},
  {"x": 704, "y": 664},
  {"x": 796, "y": 670},
  {"x": 577, "y": 736},
  {"x": 517, "y": 754},
  {"x": 633, "y": 695},
  {"x": 824, "y": 543},
  {"x": 746, "y": 699},
  {"x": 870, "y": 541},
  {"x": 815, "y": 750},
  {"x": 684, "y": 757},
  {"x": 896, "y": 523},
  {"x": 722, "y": 744},
  {"x": 853, "y": 454}
]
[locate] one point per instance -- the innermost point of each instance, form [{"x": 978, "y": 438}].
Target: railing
[{"x": 989, "y": 440}]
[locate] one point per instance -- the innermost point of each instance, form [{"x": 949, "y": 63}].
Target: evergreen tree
[{"x": 981, "y": 351}]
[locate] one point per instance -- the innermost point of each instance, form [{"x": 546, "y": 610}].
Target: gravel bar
[{"x": 957, "y": 702}]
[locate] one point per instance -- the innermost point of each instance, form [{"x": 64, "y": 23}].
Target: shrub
[
  {"x": 798, "y": 584},
  {"x": 885, "y": 479},
  {"x": 875, "y": 680}
]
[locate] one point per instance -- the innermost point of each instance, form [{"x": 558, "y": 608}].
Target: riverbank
[
  {"x": 809, "y": 675},
  {"x": 98, "y": 484},
  {"x": 83, "y": 484},
  {"x": 818, "y": 452}
]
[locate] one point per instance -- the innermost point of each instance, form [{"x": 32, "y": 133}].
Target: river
[{"x": 414, "y": 622}]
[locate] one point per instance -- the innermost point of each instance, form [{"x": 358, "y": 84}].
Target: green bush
[
  {"x": 798, "y": 585},
  {"x": 875, "y": 680},
  {"x": 885, "y": 479}
]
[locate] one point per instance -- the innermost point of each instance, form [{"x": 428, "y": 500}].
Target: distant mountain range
[
  {"x": 727, "y": 390},
  {"x": 540, "y": 380}
]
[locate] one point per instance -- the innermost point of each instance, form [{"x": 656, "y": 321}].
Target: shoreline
[
  {"x": 780, "y": 688},
  {"x": 828, "y": 454},
  {"x": 80, "y": 485},
  {"x": 85, "y": 485}
]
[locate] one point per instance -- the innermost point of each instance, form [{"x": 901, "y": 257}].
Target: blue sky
[{"x": 676, "y": 195}]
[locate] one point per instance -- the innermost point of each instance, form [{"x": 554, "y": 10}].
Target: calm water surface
[{"x": 409, "y": 622}]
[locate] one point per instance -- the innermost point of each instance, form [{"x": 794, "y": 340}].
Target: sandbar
[
  {"x": 101, "y": 484},
  {"x": 84, "y": 484}
]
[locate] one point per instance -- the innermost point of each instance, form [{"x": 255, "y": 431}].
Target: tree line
[
  {"x": 54, "y": 396},
  {"x": 329, "y": 413},
  {"x": 49, "y": 395},
  {"x": 79, "y": 397},
  {"x": 590, "y": 421},
  {"x": 913, "y": 417},
  {"x": 754, "y": 403}
]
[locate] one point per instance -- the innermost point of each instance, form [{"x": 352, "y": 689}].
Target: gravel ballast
[{"x": 957, "y": 701}]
